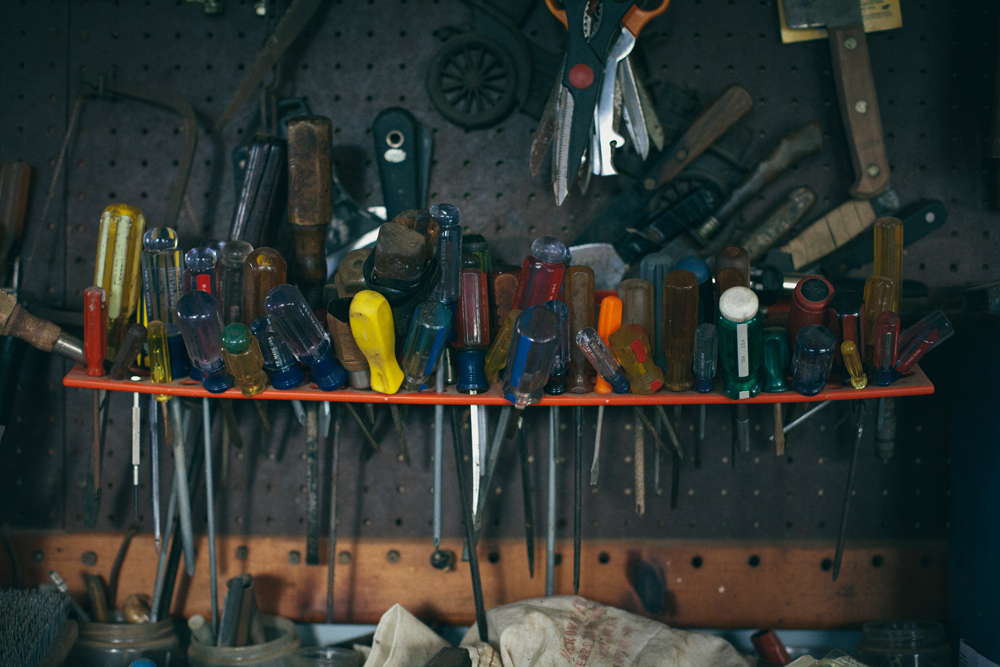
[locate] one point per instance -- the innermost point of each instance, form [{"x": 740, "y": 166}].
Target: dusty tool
[
  {"x": 309, "y": 208},
  {"x": 61, "y": 586},
  {"x": 778, "y": 223},
  {"x": 47, "y": 337}
]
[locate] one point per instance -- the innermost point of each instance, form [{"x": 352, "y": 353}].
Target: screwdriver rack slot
[{"x": 914, "y": 384}]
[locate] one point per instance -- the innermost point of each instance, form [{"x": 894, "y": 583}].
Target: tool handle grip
[
  {"x": 713, "y": 122},
  {"x": 135, "y": 338},
  {"x": 636, "y": 19},
  {"x": 557, "y": 12},
  {"x": 16, "y": 321},
  {"x": 782, "y": 219},
  {"x": 830, "y": 232},
  {"x": 852, "y": 71}
]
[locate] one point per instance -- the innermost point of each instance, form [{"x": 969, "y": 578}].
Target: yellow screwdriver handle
[{"x": 371, "y": 324}]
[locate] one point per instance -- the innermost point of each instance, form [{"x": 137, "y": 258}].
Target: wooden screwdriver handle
[
  {"x": 16, "y": 321},
  {"x": 852, "y": 71}
]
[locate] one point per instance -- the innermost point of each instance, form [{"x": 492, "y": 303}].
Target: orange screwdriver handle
[
  {"x": 608, "y": 321},
  {"x": 95, "y": 329}
]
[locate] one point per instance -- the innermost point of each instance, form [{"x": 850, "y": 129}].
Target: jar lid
[{"x": 738, "y": 304}]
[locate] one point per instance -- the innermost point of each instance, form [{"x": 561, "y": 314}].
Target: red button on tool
[
  {"x": 581, "y": 76},
  {"x": 639, "y": 350}
]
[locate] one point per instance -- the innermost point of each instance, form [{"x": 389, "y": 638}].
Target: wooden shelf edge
[{"x": 914, "y": 384}]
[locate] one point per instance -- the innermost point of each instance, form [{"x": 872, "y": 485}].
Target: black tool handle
[{"x": 398, "y": 155}]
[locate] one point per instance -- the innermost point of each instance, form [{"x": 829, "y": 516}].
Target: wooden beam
[{"x": 709, "y": 584}]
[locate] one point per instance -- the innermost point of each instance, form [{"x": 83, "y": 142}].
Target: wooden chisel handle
[
  {"x": 852, "y": 71},
  {"x": 712, "y": 123},
  {"x": 46, "y": 336},
  {"x": 309, "y": 188}
]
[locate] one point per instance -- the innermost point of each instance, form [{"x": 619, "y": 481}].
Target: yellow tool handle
[{"x": 372, "y": 326}]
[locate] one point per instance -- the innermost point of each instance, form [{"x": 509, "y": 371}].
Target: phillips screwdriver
[
  {"x": 199, "y": 271},
  {"x": 541, "y": 273},
  {"x": 243, "y": 358},
  {"x": 705, "y": 361},
  {"x": 812, "y": 359},
  {"x": 160, "y": 373},
  {"x": 706, "y": 286},
  {"x": 296, "y": 323},
  {"x": 886, "y": 347},
  {"x": 119, "y": 250},
  {"x": 810, "y": 302},
  {"x": 372, "y": 326},
  {"x": 279, "y": 362},
  {"x": 529, "y": 361},
  {"x": 889, "y": 255},
  {"x": 777, "y": 357},
  {"x": 740, "y": 352},
  {"x": 608, "y": 321},
  {"x": 201, "y": 326},
  {"x": 135, "y": 338},
  {"x": 473, "y": 338},
  {"x": 496, "y": 356},
  {"x": 161, "y": 283}
]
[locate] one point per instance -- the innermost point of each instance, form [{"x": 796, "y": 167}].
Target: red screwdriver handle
[{"x": 95, "y": 329}]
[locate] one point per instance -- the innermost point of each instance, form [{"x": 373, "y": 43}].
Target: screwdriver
[
  {"x": 541, "y": 273},
  {"x": 263, "y": 270},
  {"x": 134, "y": 339},
  {"x": 680, "y": 320},
  {"x": 119, "y": 251},
  {"x": 345, "y": 348},
  {"x": 159, "y": 367},
  {"x": 496, "y": 356},
  {"x": 638, "y": 302},
  {"x": 95, "y": 327},
  {"x": 503, "y": 287},
  {"x": 812, "y": 359},
  {"x": 243, "y": 358},
  {"x": 725, "y": 278},
  {"x": 879, "y": 294},
  {"x": 309, "y": 198},
  {"x": 472, "y": 325},
  {"x": 740, "y": 350},
  {"x": 279, "y": 362},
  {"x": 476, "y": 246},
  {"x": 371, "y": 323},
  {"x": 296, "y": 323},
  {"x": 201, "y": 327},
  {"x": 810, "y": 302},
  {"x": 705, "y": 360},
  {"x": 734, "y": 257},
  {"x": 886, "y": 347},
  {"x": 229, "y": 274},
  {"x": 706, "y": 287},
  {"x": 630, "y": 345},
  {"x": 529, "y": 361},
  {"x": 654, "y": 269},
  {"x": 847, "y": 322},
  {"x": 920, "y": 339},
  {"x": 580, "y": 297},
  {"x": 889, "y": 255},
  {"x": 608, "y": 321},
  {"x": 777, "y": 357},
  {"x": 158, "y": 340},
  {"x": 556, "y": 386},
  {"x": 161, "y": 281},
  {"x": 424, "y": 343},
  {"x": 199, "y": 271},
  {"x": 852, "y": 361}
]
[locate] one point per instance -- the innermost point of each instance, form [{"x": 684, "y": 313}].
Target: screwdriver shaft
[
  {"x": 183, "y": 493},
  {"x": 779, "y": 431},
  {"x": 136, "y": 454},
  {"x": 331, "y": 557},
  {"x": 700, "y": 440},
  {"x": 842, "y": 533},
  {"x": 577, "y": 494},
  {"x": 491, "y": 464},
  {"x": 438, "y": 454},
  {"x": 674, "y": 440},
  {"x": 639, "y": 458},
  {"x": 154, "y": 468},
  {"x": 300, "y": 412},
  {"x": 477, "y": 464},
  {"x": 206, "y": 416},
  {"x": 397, "y": 420},
  {"x": 550, "y": 525},
  {"x": 595, "y": 464},
  {"x": 312, "y": 485},
  {"x": 526, "y": 492}
]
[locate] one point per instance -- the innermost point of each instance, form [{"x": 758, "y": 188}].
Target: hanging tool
[
  {"x": 529, "y": 361},
  {"x": 260, "y": 202},
  {"x": 855, "y": 87},
  {"x": 920, "y": 339},
  {"x": 41, "y": 334},
  {"x": 706, "y": 354},
  {"x": 777, "y": 358},
  {"x": 403, "y": 153},
  {"x": 600, "y": 36},
  {"x": 785, "y": 216},
  {"x": 161, "y": 283},
  {"x": 800, "y": 144},
  {"x": 473, "y": 338},
  {"x": 309, "y": 204},
  {"x": 129, "y": 350},
  {"x": 471, "y": 539},
  {"x": 119, "y": 249},
  {"x": 852, "y": 471},
  {"x": 812, "y": 359},
  {"x": 657, "y": 229},
  {"x": 296, "y": 323}
]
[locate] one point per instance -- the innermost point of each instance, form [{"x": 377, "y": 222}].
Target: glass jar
[
  {"x": 327, "y": 656},
  {"x": 118, "y": 644},
  {"x": 275, "y": 652},
  {"x": 901, "y": 643}
]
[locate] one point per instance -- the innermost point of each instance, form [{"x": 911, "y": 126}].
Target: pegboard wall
[{"x": 934, "y": 77}]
